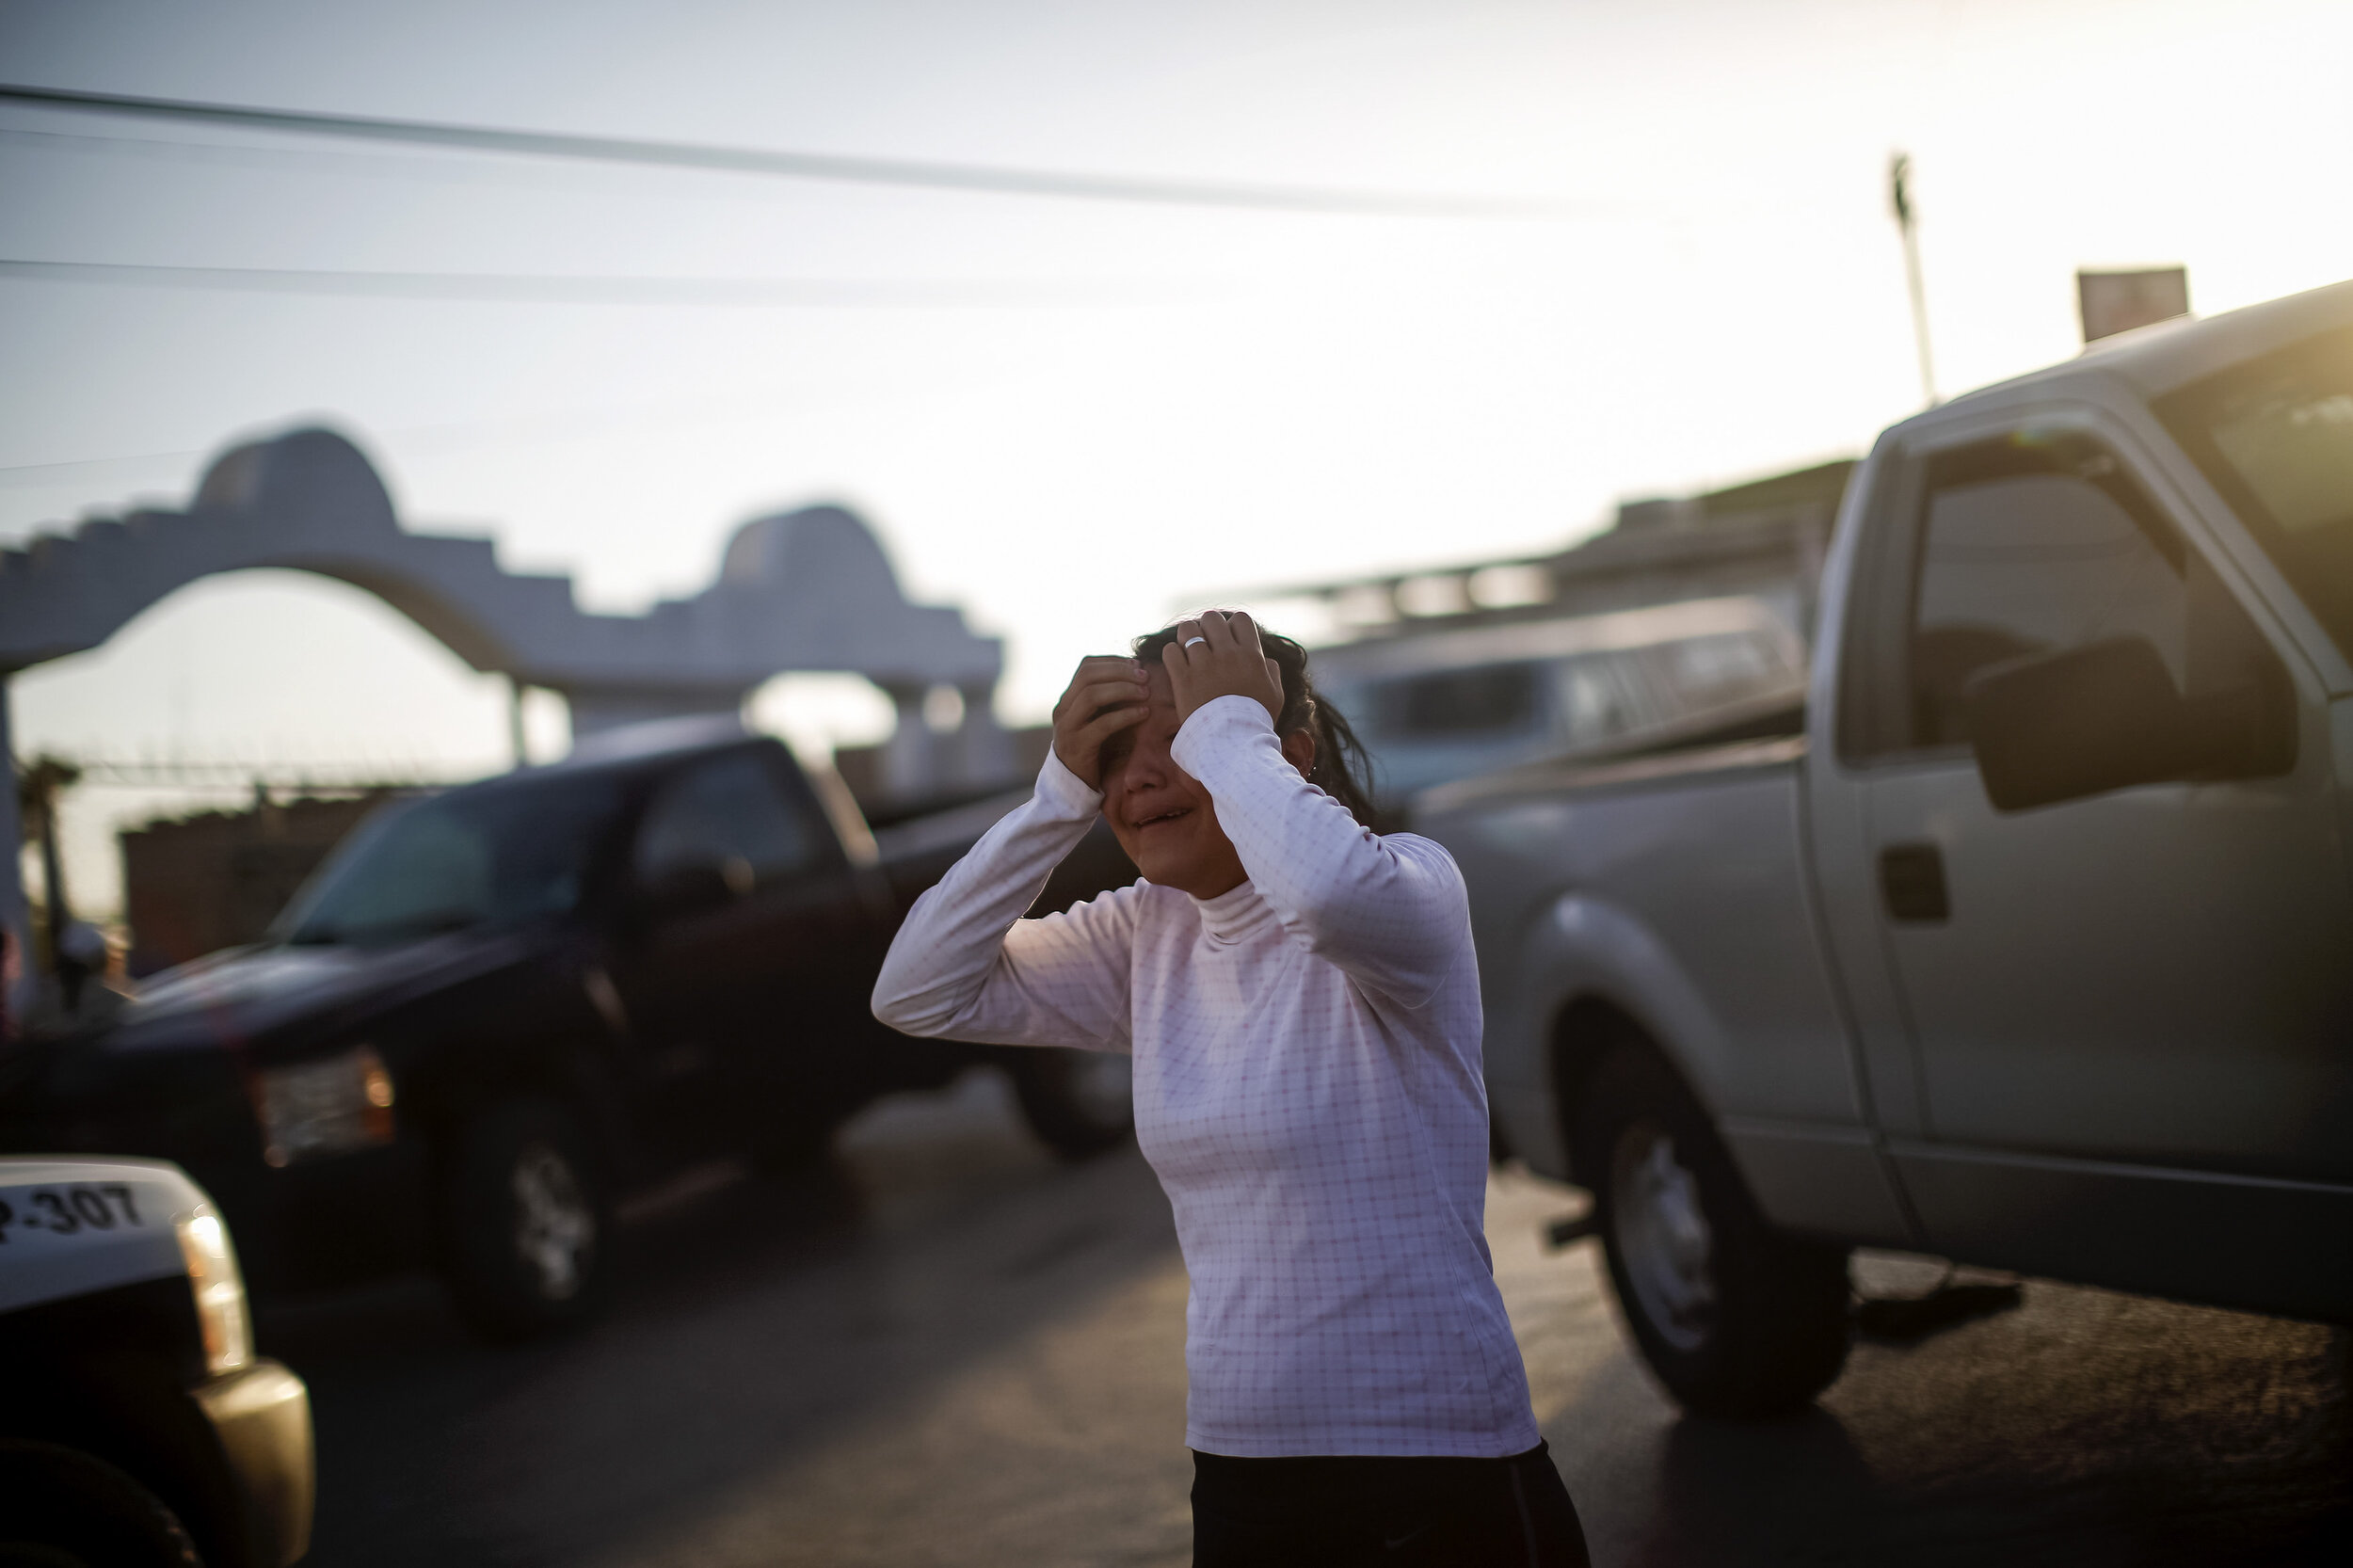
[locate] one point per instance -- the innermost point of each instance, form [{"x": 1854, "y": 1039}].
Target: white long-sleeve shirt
[{"x": 1306, "y": 1086}]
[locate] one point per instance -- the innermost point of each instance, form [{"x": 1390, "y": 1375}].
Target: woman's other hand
[
  {"x": 1105, "y": 696},
  {"x": 1219, "y": 655}
]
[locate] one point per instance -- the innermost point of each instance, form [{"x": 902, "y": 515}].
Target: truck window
[
  {"x": 2275, "y": 436},
  {"x": 1595, "y": 701},
  {"x": 477, "y": 856},
  {"x": 730, "y": 813},
  {"x": 1729, "y": 667},
  {"x": 1485, "y": 697},
  {"x": 2031, "y": 546}
]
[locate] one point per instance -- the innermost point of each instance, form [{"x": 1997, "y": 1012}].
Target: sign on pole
[{"x": 2114, "y": 303}]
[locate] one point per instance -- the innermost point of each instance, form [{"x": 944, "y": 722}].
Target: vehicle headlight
[
  {"x": 219, "y": 1290},
  {"x": 329, "y": 1107}
]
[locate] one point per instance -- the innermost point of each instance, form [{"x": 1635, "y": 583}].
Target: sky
[{"x": 1072, "y": 418}]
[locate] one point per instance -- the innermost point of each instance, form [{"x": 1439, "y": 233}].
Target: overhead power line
[
  {"x": 805, "y": 165},
  {"x": 580, "y": 289},
  {"x": 13, "y": 473},
  {"x": 560, "y": 423},
  {"x": 422, "y": 163}
]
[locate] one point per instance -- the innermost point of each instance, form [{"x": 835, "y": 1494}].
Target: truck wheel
[
  {"x": 1079, "y": 1102},
  {"x": 61, "y": 1508},
  {"x": 526, "y": 1223},
  {"x": 1736, "y": 1318}
]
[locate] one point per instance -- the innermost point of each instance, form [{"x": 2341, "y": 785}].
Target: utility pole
[
  {"x": 515, "y": 737},
  {"x": 37, "y": 790},
  {"x": 1900, "y": 194},
  {"x": 17, "y": 967}
]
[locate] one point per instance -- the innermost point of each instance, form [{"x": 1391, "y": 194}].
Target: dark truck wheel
[
  {"x": 1079, "y": 1102},
  {"x": 526, "y": 1224},
  {"x": 61, "y": 1508},
  {"x": 1736, "y": 1318}
]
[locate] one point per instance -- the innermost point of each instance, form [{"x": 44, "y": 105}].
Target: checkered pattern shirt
[{"x": 1306, "y": 1087}]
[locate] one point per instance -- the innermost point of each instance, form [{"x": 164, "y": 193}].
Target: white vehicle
[
  {"x": 2033, "y": 946},
  {"x": 139, "y": 1428},
  {"x": 1445, "y": 705}
]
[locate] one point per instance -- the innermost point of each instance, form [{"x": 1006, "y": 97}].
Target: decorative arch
[{"x": 803, "y": 590}]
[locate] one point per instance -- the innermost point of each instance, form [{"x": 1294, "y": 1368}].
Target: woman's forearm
[
  {"x": 1393, "y": 913},
  {"x": 965, "y": 966}
]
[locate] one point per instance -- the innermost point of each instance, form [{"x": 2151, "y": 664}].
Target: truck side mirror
[{"x": 2059, "y": 726}]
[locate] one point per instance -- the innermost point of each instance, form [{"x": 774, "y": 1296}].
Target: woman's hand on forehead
[
  {"x": 1219, "y": 655},
  {"x": 1106, "y": 696}
]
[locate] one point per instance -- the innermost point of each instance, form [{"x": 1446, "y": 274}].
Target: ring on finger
[{"x": 1196, "y": 642}]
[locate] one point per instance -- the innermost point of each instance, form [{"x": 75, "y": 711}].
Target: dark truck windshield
[
  {"x": 2276, "y": 436},
  {"x": 480, "y": 857}
]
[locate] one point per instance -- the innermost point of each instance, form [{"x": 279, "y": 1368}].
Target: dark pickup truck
[{"x": 497, "y": 1010}]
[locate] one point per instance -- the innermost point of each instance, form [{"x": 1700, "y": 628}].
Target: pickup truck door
[
  {"x": 2131, "y": 1012},
  {"x": 749, "y": 946}
]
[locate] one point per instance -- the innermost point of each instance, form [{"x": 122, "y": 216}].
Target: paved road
[{"x": 951, "y": 1351}]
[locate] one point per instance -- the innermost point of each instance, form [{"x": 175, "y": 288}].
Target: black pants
[{"x": 1342, "y": 1511}]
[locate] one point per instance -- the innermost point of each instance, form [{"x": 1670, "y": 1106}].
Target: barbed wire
[{"x": 341, "y": 777}]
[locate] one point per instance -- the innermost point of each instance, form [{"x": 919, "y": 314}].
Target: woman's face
[{"x": 1161, "y": 815}]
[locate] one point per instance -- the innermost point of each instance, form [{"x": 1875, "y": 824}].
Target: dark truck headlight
[{"x": 331, "y": 1106}]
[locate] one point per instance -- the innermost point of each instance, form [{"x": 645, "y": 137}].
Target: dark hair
[{"x": 1341, "y": 765}]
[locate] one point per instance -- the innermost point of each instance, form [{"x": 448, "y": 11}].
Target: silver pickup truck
[{"x": 2030, "y": 943}]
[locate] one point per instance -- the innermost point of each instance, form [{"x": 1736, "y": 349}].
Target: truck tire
[
  {"x": 61, "y": 1508},
  {"x": 526, "y": 1222},
  {"x": 1080, "y": 1103},
  {"x": 1734, "y": 1318}
]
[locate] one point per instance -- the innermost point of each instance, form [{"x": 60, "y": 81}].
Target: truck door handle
[{"x": 1911, "y": 881}]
